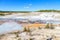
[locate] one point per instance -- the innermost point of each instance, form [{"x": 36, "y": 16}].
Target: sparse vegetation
[{"x": 1, "y": 14}]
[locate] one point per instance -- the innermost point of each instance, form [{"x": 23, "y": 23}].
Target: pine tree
[
  {"x": 25, "y": 29},
  {"x": 51, "y": 26},
  {"x": 47, "y": 26}
]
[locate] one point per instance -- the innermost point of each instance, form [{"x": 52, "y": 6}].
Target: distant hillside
[
  {"x": 14, "y": 11},
  {"x": 3, "y": 13},
  {"x": 48, "y": 11}
]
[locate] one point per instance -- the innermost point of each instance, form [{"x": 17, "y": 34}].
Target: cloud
[
  {"x": 30, "y": 4},
  {"x": 27, "y": 7}
]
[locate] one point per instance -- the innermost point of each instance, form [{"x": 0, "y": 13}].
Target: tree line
[{"x": 48, "y": 11}]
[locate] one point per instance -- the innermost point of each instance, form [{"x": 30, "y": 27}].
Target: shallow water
[{"x": 10, "y": 27}]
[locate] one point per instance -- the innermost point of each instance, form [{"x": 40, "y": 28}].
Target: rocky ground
[{"x": 38, "y": 34}]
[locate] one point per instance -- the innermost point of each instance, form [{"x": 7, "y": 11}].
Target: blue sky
[{"x": 29, "y": 5}]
